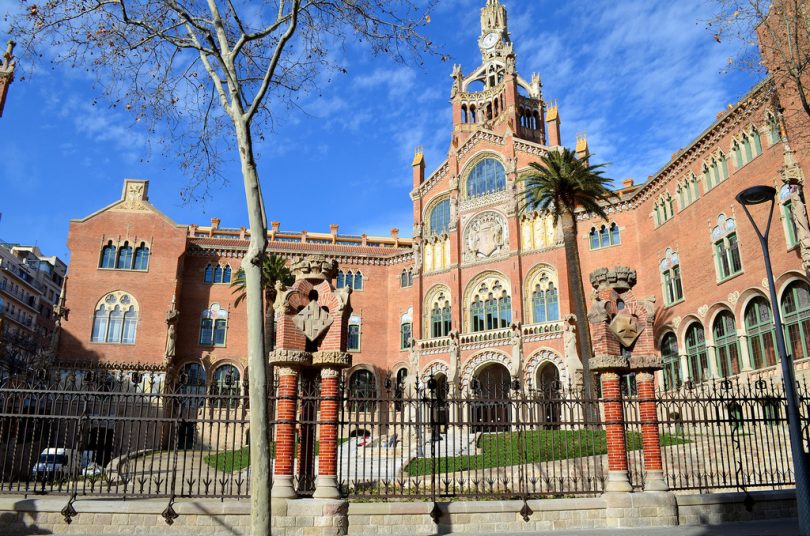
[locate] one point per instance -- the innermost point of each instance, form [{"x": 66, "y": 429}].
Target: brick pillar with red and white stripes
[
  {"x": 285, "y": 432},
  {"x": 617, "y": 479},
  {"x": 326, "y": 483},
  {"x": 650, "y": 438}
]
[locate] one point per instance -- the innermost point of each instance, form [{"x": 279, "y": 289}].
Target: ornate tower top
[{"x": 494, "y": 40}]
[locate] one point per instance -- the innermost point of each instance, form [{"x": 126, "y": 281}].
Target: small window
[
  {"x": 209, "y": 274},
  {"x": 213, "y": 326},
  {"x": 124, "y": 257},
  {"x": 108, "y": 256},
  {"x": 671, "y": 277},
  {"x": 353, "y": 340},
  {"x": 726, "y": 248},
  {"x": 358, "y": 281},
  {"x": 405, "y": 332},
  {"x": 604, "y": 236},
  {"x": 141, "y": 257}
]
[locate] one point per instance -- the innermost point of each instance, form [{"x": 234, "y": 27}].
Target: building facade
[
  {"x": 480, "y": 290},
  {"x": 30, "y": 291}
]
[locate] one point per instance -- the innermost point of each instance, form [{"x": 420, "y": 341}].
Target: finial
[
  {"x": 419, "y": 155},
  {"x": 582, "y": 143}
]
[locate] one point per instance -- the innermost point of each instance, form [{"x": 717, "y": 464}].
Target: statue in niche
[
  {"x": 413, "y": 359},
  {"x": 570, "y": 343},
  {"x": 516, "y": 340},
  {"x": 799, "y": 215},
  {"x": 455, "y": 358},
  {"x": 172, "y": 315}
]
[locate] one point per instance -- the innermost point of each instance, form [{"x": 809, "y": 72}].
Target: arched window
[
  {"x": 671, "y": 361},
  {"x": 671, "y": 277},
  {"x": 353, "y": 339},
  {"x": 696, "y": 353},
  {"x": 405, "y": 335},
  {"x": 594, "y": 238},
  {"x": 545, "y": 304},
  {"x": 726, "y": 249},
  {"x": 108, "y": 256},
  {"x": 440, "y": 217},
  {"x": 399, "y": 388},
  {"x": 341, "y": 279},
  {"x": 362, "y": 390},
  {"x": 786, "y": 197},
  {"x": 437, "y": 312},
  {"x": 773, "y": 129},
  {"x": 141, "y": 257},
  {"x": 358, "y": 280},
  {"x": 209, "y": 274},
  {"x": 226, "y": 385},
  {"x": 115, "y": 320},
  {"x": 348, "y": 279},
  {"x": 796, "y": 318},
  {"x": 604, "y": 236},
  {"x": 213, "y": 326},
  {"x": 726, "y": 344},
  {"x": 486, "y": 177},
  {"x": 491, "y": 306},
  {"x": 218, "y": 274},
  {"x": 738, "y": 156},
  {"x": 403, "y": 279},
  {"x": 124, "y": 257},
  {"x": 760, "y": 330},
  {"x": 226, "y": 274},
  {"x": 757, "y": 141},
  {"x": 191, "y": 381},
  {"x": 746, "y": 145}
]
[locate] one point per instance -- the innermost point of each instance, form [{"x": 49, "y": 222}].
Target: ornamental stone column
[
  {"x": 313, "y": 327},
  {"x": 288, "y": 365},
  {"x": 331, "y": 362},
  {"x": 614, "y": 330}
]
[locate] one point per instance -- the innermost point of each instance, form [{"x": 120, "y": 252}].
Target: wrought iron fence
[
  {"x": 123, "y": 434},
  {"x": 132, "y": 434},
  {"x": 434, "y": 441},
  {"x": 721, "y": 435}
]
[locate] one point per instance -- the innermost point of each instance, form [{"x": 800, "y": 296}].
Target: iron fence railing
[{"x": 133, "y": 434}]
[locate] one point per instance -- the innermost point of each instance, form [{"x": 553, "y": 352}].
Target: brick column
[
  {"x": 650, "y": 439},
  {"x": 614, "y": 428},
  {"x": 285, "y": 432},
  {"x": 326, "y": 483}
]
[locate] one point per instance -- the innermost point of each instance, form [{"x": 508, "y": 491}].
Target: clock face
[{"x": 490, "y": 39}]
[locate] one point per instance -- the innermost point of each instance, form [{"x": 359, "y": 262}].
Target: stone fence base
[{"x": 315, "y": 517}]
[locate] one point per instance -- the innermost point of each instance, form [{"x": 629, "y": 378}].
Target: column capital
[{"x": 330, "y": 372}]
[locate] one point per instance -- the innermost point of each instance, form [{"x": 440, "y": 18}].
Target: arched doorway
[
  {"x": 491, "y": 411},
  {"x": 548, "y": 391}
]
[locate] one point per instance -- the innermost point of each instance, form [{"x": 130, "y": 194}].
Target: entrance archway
[
  {"x": 548, "y": 390},
  {"x": 491, "y": 410}
]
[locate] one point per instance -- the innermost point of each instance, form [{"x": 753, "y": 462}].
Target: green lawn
[
  {"x": 236, "y": 460},
  {"x": 504, "y": 449}
]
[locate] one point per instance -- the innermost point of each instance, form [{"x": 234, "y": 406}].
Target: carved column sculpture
[
  {"x": 311, "y": 331},
  {"x": 622, "y": 331}
]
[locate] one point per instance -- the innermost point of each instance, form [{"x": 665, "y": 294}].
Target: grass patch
[
  {"x": 238, "y": 459},
  {"x": 504, "y": 449}
]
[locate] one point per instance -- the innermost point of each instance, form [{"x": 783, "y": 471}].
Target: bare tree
[
  {"x": 206, "y": 75},
  {"x": 772, "y": 31}
]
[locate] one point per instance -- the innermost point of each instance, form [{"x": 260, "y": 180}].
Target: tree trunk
[
  {"x": 577, "y": 293},
  {"x": 257, "y": 360},
  {"x": 269, "y": 320}
]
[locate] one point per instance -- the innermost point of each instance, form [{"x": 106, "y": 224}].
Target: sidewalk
[{"x": 775, "y": 527}]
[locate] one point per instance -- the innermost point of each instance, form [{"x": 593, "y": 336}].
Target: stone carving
[
  {"x": 417, "y": 229},
  {"x": 59, "y": 312},
  {"x": 677, "y": 321},
  {"x": 413, "y": 360},
  {"x": 417, "y": 254},
  {"x": 453, "y": 210},
  {"x": 486, "y": 236},
  {"x": 626, "y": 327},
  {"x": 313, "y": 320},
  {"x": 478, "y": 361},
  {"x": 281, "y": 356},
  {"x": 598, "y": 312},
  {"x": 134, "y": 196},
  {"x": 516, "y": 340},
  {"x": 608, "y": 362},
  {"x": 702, "y": 310},
  {"x": 572, "y": 359},
  {"x": 458, "y": 78},
  {"x": 455, "y": 358},
  {"x": 799, "y": 215},
  {"x": 764, "y": 283},
  {"x": 332, "y": 358},
  {"x": 172, "y": 315},
  {"x": 546, "y": 355},
  {"x": 314, "y": 267},
  {"x": 733, "y": 297}
]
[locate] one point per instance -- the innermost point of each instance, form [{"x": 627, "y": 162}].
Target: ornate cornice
[
  {"x": 434, "y": 178},
  {"x": 332, "y": 358},
  {"x": 281, "y": 356}
]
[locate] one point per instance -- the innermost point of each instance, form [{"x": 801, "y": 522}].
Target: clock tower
[
  {"x": 494, "y": 97},
  {"x": 494, "y": 41}
]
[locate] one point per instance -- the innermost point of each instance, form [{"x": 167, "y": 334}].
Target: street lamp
[{"x": 757, "y": 195}]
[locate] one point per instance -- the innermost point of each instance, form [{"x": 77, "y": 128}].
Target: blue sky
[{"x": 641, "y": 77}]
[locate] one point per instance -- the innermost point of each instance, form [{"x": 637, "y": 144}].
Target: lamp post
[{"x": 756, "y": 195}]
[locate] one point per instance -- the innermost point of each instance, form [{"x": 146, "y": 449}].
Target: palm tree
[
  {"x": 273, "y": 269},
  {"x": 560, "y": 184}
]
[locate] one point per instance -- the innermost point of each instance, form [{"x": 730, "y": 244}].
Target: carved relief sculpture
[
  {"x": 486, "y": 236},
  {"x": 799, "y": 214}
]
